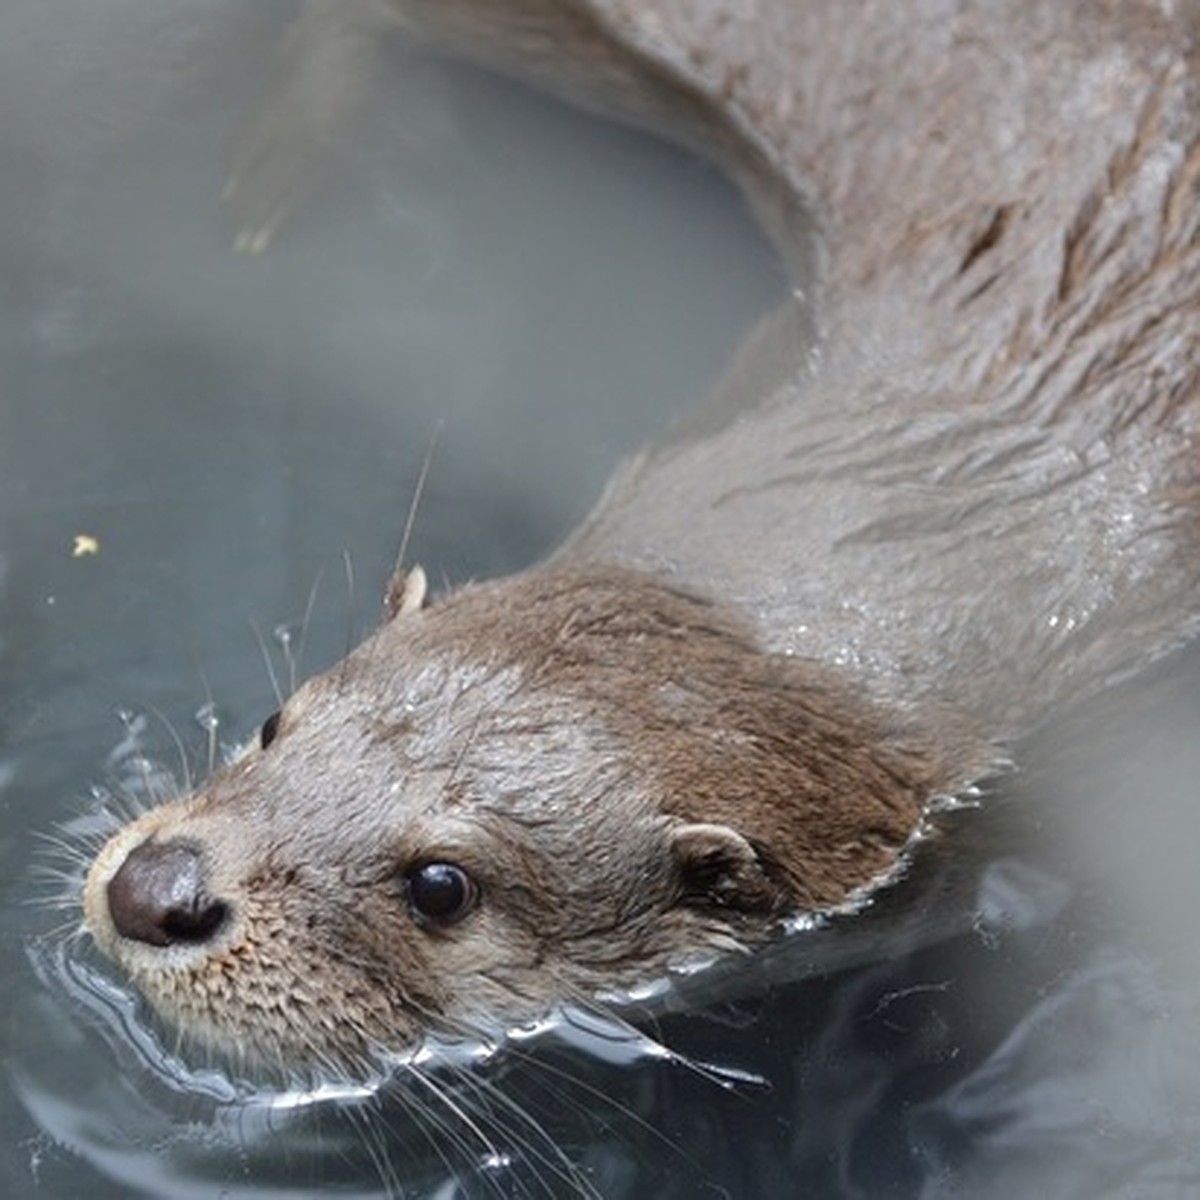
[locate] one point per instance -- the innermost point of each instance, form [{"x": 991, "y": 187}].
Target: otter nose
[{"x": 157, "y": 896}]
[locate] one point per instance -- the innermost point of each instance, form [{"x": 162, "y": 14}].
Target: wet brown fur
[{"x": 828, "y": 599}]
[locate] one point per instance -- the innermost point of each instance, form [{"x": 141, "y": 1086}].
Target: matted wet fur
[{"x": 867, "y": 565}]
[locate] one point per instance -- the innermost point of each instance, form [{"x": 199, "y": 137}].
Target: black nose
[{"x": 157, "y": 896}]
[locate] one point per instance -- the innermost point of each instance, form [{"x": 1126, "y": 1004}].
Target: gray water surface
[{"x": 533, "y": 293}]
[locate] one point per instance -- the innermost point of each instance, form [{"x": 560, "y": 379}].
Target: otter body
[{"x": 837, "y": 594}]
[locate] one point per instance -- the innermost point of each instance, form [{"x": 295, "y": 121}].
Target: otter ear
[
  {"x": 405, "y": 593},
  {"x": 718, "y": 867}
]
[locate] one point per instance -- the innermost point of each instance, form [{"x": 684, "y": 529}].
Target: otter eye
[
  {"x": 270, "y": 727},
  {"x": 440, "y": 893}
]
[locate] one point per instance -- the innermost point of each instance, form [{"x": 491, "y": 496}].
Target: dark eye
[
  {"x": 270, "y": 727},
  {"x": 440, "y": 893}
]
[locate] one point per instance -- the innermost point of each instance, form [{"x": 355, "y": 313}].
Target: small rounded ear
[
  {"x": 405, "y": 593},
  {"x": 718, "y": 867}
]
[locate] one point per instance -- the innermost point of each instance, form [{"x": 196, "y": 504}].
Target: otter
[{"x": 842, "y": 591}]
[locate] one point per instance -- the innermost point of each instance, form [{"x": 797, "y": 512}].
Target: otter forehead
[
  {"x": 428, "y": 746},
  {"x": 519, "y": 682},
  {"x": 458, "y": 723}
]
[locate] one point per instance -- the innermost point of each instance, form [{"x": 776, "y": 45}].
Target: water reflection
[{"x": 232, "y": 428}]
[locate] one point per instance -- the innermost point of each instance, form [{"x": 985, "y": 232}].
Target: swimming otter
[{"x": 836, "y": 595}]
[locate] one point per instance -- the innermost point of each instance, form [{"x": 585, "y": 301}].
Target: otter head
[{"x": 532, "y": 790}]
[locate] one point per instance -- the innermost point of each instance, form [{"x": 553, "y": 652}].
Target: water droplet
[
  {"x": 134, "y": 721},
  {"x": 208, "y": 717}
]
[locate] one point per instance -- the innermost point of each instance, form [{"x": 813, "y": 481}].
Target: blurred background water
[{"x": 538, "y": 291}]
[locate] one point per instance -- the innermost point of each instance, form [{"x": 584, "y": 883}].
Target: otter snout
[{"x": 158, "y": 896}]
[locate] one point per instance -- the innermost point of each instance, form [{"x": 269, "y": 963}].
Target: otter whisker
[
  {"x": 517, "y": 1126},
  {"x": 58, "y": 890},
  {"x": 73, "y": 847},
  {"x": 207, "y": 716},
  {"x": 418, "y": 491},
  {"x": 294, "y": 660},
  {"x": 650, "y": 1047},
  {"x": 375, "y": 1137},
  {"x": 69, "y": 928},
  {"x": 454, "y": 1129},
  {"x": 177, "y": 742},
  {"x": 269, "y": 663},
  {"x": 351, "y": 602},
  {"x": 532, "y": 1137}
]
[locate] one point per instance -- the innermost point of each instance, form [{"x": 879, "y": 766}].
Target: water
[{"x": 537, "y": 293}]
